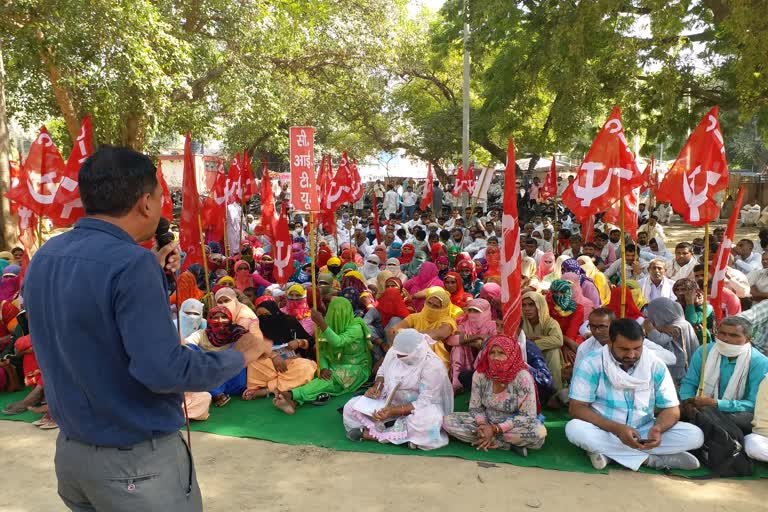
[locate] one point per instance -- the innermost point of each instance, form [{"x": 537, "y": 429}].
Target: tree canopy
[{"x": 371, "y": 75}]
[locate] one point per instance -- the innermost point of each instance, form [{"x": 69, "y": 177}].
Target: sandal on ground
[
  {"x": 355, "y": 434},
  {"x": 321, "y": 399},
  {"x": 221, "y": 400},
  {"x": 49, "y": 425}
]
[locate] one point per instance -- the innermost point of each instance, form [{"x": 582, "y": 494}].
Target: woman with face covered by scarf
[
  {"x": 345, "y": 360},
  {"x": 222, "y": 331},
  {"x": 413, "y": 381},
  {"x": 10, "y": 282},
  {"x": 326, "y": 290},
  {"x": 241, "y": 314},
  {"x": 407, "y": 254},
  {"x": 334, "y": 267},
  {"x": 503, "y": 411},
  {"x": 290, "y": 365},
  {"x": 437, "y": 250},
  {"x": 186, "y": 288},
  {"x": 546, "y": 266},
  {"x": 393, "y": 265},
  {"x": 243, "y": 277},
  {"x": 475, "y": 327},
  {"x": 395, "y": 250},
  {"x": 453, "y": 254},
  {"x": 443, "y": 267},
  {"x": 191, "y": 316},
  {"x": 492, "y": 293},
  {"x": 324, "y": 254},
  {"x": 435, "y": 320},
  {"x": 412, "y": 269},
  {"x": 580, "y": 299},
  {"x": 297, "y": 307},
  {"x": 568, "y": 314},
  {"x": 588, "y": 287},
  {"x": 266, "y": 269},
  {"x": 493, "y": 259},
  {"x": 381, "y": 252},
  {"x": 468, "y": 273},
  {"x": 371, "y": 267},
  {"x": 353, "y": 279},
  {"x": 418, "y": 284}
]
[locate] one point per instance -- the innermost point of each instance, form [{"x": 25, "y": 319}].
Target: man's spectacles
[{"x": 593, "y": 327}]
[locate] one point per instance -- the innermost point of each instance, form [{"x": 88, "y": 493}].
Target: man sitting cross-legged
[
  {"x": 613, "y": 396},
  {"x": 733, "y": 372}
]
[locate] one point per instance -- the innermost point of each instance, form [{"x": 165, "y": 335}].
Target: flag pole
[
  {"x": 704, "y": 311},
  {"x": 205, "y": 260},
  {"x": 39, "y": 231},
  {"x": 623, "y": 260},
  {"x": 651, "y": 194},
  {"x": 313, "y": 257}
]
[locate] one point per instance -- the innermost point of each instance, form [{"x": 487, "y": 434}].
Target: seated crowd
[{"x": 416, "y": 318}]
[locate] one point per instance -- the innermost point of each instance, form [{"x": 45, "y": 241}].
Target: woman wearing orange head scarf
[{"x": 186, "y": 288}]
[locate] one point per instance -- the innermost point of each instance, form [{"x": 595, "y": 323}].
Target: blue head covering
[{"x": 394, "y": 250}]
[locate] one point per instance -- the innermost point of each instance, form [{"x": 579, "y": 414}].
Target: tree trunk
[
  {"x": 62, "y": 94},
  {"x": 8, "y": 231},
  {"x": 134, "y": 131}
]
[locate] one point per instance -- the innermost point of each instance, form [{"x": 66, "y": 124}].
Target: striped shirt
[{"x": 590, "y": 384}]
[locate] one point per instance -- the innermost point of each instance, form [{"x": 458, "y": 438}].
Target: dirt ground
[{"x": 247, "y": 474}]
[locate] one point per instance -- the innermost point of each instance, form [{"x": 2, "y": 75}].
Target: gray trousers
[{"x": 156, "y": 475}]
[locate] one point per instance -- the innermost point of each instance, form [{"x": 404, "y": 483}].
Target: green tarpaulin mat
[{"x": 321, "y": 426}]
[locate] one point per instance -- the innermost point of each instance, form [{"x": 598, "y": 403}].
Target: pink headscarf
[
  {"x": 243, "y": 277},
  {"x": 492, "y": 291},
  {"x": 482, "y": 323},
  {"x": 427, "y": 277},
  {"x": 546, "y": 266},
  {"x": 579, "y": 297}
]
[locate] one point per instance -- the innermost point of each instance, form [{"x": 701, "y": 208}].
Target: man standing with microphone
[{"x": 115, "y": 370}]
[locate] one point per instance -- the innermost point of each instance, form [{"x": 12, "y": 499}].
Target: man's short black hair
[
  {"x": 17, "y": 249},
  {"x": 630, "y": 248},
  {"x": 698, "y": 268},
  {"x": 684, "y": 245},
  {"x": 531, "y": 241},
  {"x": 113, "y": 179},
  {"x": 627, "y": 328}
]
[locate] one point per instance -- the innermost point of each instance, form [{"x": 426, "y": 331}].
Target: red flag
[
  {"x": 649, "y": 177},
  {"x": 608, "y": 167},
  {"x": 67, "y": 204},
  {"x": 339, "y": 187},
  {"x": 720, "y": 263},
  {"x": 268, "y": 220},
  {"x": 356, "y": 183},
  {"x": 469, "y": 180},
  {"x": 167, "y": 211},
  {"x": 699, "y": 172},
  {"x": 215, "y": 205},
  {"x": 282, "y": 247},
  {"x": 458, "y": 184},
  {"x": 613, "y": 214},
  {"x": 511, "y": 269},
  {"x": 247, "y": 183},
  {"x": 375, "y": 209},
  {"x": 233, "y": 181},
  {"x": 39, "y": 176},
  {"x": 189, "y": 227},
  {"x": 326, "y": 217},
  {"x": 549, "y": 189},
  {"x": 426, "y": 198}
]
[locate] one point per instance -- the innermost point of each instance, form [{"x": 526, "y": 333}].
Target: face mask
[
  {"x": 728, "y": 350},
  {"x": 334, "y": 269}
]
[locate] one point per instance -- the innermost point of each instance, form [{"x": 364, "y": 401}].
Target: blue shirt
[
  {"x": 113, "y": 364},
  {"x": 590, "y": 384},
  {"x": 758, "y": 367}
]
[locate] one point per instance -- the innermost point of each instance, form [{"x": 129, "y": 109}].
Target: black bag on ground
[{"x": 723, "y": 449}]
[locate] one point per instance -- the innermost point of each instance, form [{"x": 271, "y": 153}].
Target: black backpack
[{"x": 723, "y": 449}]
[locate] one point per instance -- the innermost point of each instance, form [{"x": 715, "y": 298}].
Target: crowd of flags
[{"x": 43, "y": 185}]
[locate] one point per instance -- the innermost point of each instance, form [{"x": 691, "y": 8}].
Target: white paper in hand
[{"x": 369, "y": 406}]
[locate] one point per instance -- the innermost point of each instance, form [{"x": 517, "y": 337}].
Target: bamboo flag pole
[
  {"x": 313, "y": 257},
  {"x": 205, "y": 260},
  {"x": 704, "y": 311},
  {"x": 623, "y": 260}
]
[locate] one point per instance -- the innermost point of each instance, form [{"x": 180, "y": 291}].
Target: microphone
[{"x": 163, "y": 235}]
